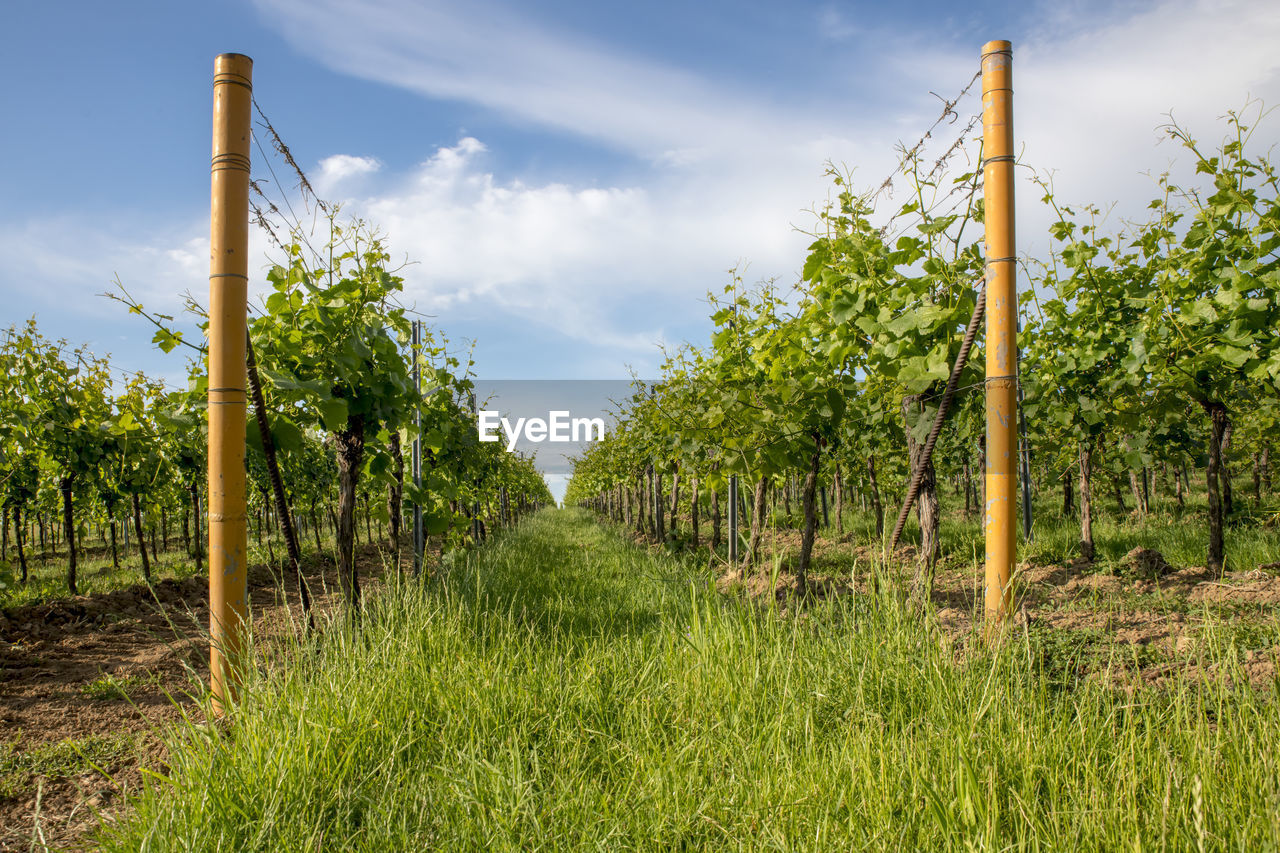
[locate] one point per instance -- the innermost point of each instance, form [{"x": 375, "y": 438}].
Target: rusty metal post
[
  {"x": 1002, "y": 339},
  {"x": 228, "y": 292}
]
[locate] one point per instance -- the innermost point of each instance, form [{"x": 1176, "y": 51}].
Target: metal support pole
[
  {"x": 475, "y": 505},
  {"x": 733, "y": 519},
  {"x": 418, "y": 541},
  {"x": 1002, "y": 340},
  {"x": 228, "y": 305}
]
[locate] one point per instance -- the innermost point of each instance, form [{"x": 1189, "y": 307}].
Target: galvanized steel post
[
  {"x": 417, "y": 448},
  {"x": 733, "y": 520}
]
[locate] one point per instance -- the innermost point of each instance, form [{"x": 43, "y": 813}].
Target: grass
[
  {"x": 95, "y": 573},
  {"x": 562, "y": 689},
  {"x": 1252, "y": 536},
  {"x": 47, "y": 578},
  {"x": 1244, "y": 636},
  {"x": 1180, "y": 534},
  {"x": 1182, "y": 537},
  {"x": 108, "y": 687},
  {"x": 59, "y": 760}
]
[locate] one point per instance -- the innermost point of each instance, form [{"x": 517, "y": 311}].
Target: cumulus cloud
[
  {"x": 72, "y": 260},
  {"x": 1088, "y": 106},
  {"x": 72, "y": 257},
  {"x": 1093, "y": 80},
  {"x": 338, "y": 168},
  {"x": 722, "y": 175},
  {"x": 566, "y": 257}
]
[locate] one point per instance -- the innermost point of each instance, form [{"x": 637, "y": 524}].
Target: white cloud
[
  {"x": 1089, "y": 106},
  {"x": 338, "y": 168},
  {"x": 1093, "y": 81},
  {"x": 491, "y": 53},
  {"x": 558, "y": 484},
  {"x": 729, "y": 173},
  {"x": 566, "y": 256},
  {"x": 74, "y": 259}
]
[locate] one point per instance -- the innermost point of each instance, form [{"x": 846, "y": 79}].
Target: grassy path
[{"x": 562, "y": 689}]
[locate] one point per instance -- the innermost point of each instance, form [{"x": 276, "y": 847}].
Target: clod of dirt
[{"x": 1146, "y": 563}]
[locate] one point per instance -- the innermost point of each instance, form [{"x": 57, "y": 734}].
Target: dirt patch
[
  {"x": 1146, "y": 563},
  {"x": 93, "y": 680},
  {"x": 1250, "y": 588}
]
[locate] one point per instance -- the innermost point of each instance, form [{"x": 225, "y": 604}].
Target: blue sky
[{"x": 570, "y": 178}]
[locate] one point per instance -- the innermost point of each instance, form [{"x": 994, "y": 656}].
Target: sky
[{"x": 567, "y": 180}]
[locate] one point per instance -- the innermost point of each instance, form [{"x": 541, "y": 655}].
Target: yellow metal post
[
  {"x": 228, "y": 291},
  {"x": 1002, "y": 317}
]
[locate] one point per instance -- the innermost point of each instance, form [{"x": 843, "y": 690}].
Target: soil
[{"x": 93, "y": 680}]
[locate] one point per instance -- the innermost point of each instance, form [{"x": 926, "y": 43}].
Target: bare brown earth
[{"x": 87, "y": 685}]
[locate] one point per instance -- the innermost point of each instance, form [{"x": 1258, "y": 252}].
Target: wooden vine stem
[
  {"x": 228, "y": 292},
  {"x": 913, "y": 491},
  {"x": 1002, "y": 337}
]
